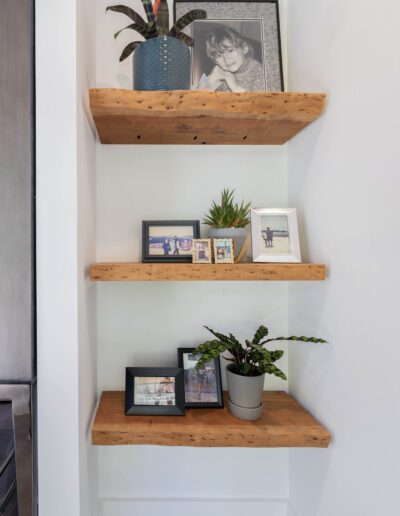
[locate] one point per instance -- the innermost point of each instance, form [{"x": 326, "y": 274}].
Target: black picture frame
[
  {"x": 190, "y": 403},
  {"x": 132, "y": 395},
  {"x": 220, "y": 10},
  {"x": 147, "y": 257}
]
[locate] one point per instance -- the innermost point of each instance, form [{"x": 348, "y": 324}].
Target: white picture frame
[{"x": 275, "y": 235}]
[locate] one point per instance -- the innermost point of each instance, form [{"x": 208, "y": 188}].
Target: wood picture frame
[{"x": 202, "y": 250}]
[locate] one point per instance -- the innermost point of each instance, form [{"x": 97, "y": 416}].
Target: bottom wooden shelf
[{"x": 285, "y": 423}]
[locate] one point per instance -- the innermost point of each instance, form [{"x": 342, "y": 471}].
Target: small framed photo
[
  {"x": 169, "y": 240},
  {"x": 203, "y": 387},
  {"x": 202, "y": 252},
  {"x": 155, "y": 391},
  {"x": 238, "y": 47},
  {"x": 223, "y": 250},
  {"x": 275, "y": 236}
]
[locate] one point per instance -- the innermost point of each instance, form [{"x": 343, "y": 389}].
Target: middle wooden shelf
[{"x": 130, "y": 271}]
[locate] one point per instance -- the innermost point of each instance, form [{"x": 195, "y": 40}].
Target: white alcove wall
[
  {"x": 344, "y": 179},
  {"x": 144, "y": 323}
]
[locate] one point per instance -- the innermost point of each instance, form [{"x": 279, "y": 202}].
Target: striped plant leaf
[
  {"x": 133, "y": 15},
  {"x": 185, "y": 38},
  {"x": 129, "y": 49},
  {"x": 151, "y": 18},
  {"x": 195, "y": 14},
  {"x": 143, "y": 31},
  {"x": 298, "y": 339},
  {"x": 163, "y": 17},
  {"x": 260, "y": 334}
]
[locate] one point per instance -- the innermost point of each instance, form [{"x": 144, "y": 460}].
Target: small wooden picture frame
[
  {"x": 202, "y": 251},
  {"x": 223, "y": 250}
]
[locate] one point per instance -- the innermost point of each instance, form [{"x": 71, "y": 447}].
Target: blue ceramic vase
[{"x": 161, "y": 63}]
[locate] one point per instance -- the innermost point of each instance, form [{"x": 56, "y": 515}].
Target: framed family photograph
[
  {"x": 202, "y": 252},
  {"x": 169, "y": 240},
  {"x": 203, "y": 387},
  {"x": 223, "y": 250},
  {"x": 154, "y": 391},
  {"x": 275, "y": 235},
  {"x": 238, "y": 47}
]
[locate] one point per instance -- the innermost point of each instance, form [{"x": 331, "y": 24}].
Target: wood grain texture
[
  {"x": 201, "y": 117},
  {"x": 207, "y": 272},
  {"x": 284, "y": 423}
]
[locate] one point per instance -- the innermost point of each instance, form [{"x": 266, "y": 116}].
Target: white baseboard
[{"x": 194, "y": 507}]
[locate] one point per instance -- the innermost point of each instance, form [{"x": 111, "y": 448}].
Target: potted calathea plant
[
  {"x": 162, "y": 61},
  {"x": 249, "y": 363},
  {"x": 228, "y": 219}
]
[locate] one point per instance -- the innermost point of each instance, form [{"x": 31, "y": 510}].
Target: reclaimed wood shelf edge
[
  {"x": 284, "y": 423},
  {"x": 201, "y": 117},
  {"x": 128, "y": 271}
]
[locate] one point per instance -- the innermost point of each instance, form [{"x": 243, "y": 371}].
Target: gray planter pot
[
  {"x": 245, "y": 394},
  {"x": 238, "y": 236},
  {"x": 161, "y": 63}
]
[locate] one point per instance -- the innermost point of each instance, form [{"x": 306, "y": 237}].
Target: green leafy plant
[
  {"x": 251, "y": 359},
  {"x": 228, "y": 214},
  {"x": 156, "y": 24}
]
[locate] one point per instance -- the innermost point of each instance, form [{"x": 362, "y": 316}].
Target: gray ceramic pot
[
  {"x": 245, "y": 394},
  {"x": 238, "y": 236}
]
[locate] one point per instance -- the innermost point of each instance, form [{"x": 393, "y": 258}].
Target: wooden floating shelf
[
  {"x": 202, "y": 117},
  {"x": 207, "y": 272},
  {"x": 284, "y": 423}
]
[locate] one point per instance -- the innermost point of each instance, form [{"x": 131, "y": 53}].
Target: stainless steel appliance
[{"x": 17, "y": 260}]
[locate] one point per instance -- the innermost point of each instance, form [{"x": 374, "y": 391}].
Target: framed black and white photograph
[
  {"x": 238, "y": 47},
  {"x": 275, "y": 235},
  {"x": 203, "y": 387},
  {"x": 223, "y": 250},
  {"x": 154, "y": 391},
  {"x": 169, "y": 240},
  {"x": 202, "y": 252}
]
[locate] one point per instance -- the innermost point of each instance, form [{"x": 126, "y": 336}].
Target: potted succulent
[
  {"x": 228, "y": 219},
  {"x": 248, "y": 365},
  {"x": 162, "y": 61}
]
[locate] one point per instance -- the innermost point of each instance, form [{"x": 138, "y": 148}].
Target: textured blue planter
[{"x": 161, "y": 63}]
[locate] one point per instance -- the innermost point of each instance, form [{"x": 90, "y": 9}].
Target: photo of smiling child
[{"x": 228, "y": 55}]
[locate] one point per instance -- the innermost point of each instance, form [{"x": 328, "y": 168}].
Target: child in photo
[{"x": 235, "y": 67}]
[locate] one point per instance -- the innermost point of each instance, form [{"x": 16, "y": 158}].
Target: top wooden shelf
[{"x": 202, "y": 117}]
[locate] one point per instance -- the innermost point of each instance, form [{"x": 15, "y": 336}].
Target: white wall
[
  {"x": 144, "y": 323},
  {"x": 65, "y": 247},
  {"x": 344, "y": 180}
]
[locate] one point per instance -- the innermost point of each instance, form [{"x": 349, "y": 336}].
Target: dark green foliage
[
  {"x": 228, "y": 214},
  {"x": 129, "y": 49},
  {"x": 163, "y": 18},
  {"x": 133, "y": 15},
  {"x": 249, "y": 360},
  {"x": 186, "y": 19},
  {"x": 155, "y": 26}
]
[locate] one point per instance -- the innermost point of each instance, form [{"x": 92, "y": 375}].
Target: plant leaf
[
  {"x": 138, "y": 28},
  {"x": 163, "y": 17},
  {"x": 151, "y": 18},
  {"x": 208, "y": 351},
  {"x": 298, "y": 339},
  {"x": 129, "y": 49},
  {"x": 271, "y": 369},
  {"x": 260, "y": 334},
  {"x": 133, "y": 15},
  {"x": 195, "y": 14},
  {"x": 185, "y": 38}
]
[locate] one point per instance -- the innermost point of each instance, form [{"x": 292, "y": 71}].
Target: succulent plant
[
  {"x": 228, "y": 214},
  {"x": 251, "y": 359},
  {"x": 157, "y": 23}
]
